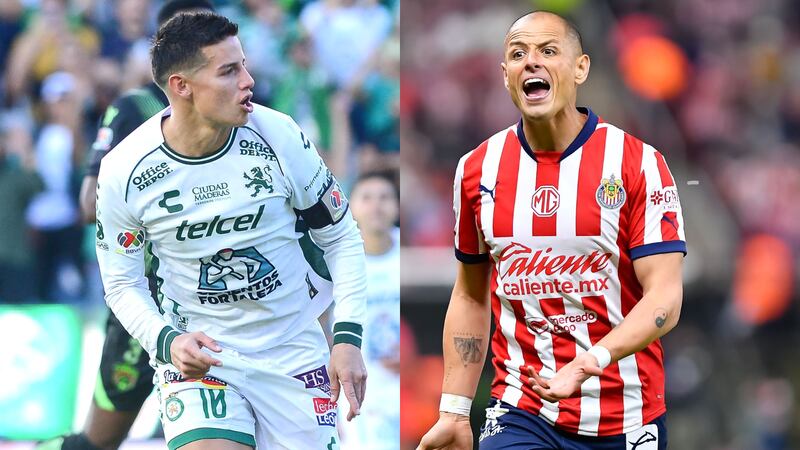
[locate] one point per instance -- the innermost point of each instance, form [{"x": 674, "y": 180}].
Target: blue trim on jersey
[
  {"x": 468, "y": 258},
  {"x": 583, "y": 136},
  {"x": 658, "y": 247}
]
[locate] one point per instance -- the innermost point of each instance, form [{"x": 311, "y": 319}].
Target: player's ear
[
  {"x": 177, "y": 85},
  {"x": 582, "y": 68},
  {"x": 505, "y": 74}
]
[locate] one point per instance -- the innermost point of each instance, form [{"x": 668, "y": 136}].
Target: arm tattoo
[
  {"x": 468, "y": 349},
  {"x": 661, "y": 317}
]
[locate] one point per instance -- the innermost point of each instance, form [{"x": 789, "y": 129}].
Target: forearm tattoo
[
  {"x": 661, "y": 317},
  {"x": 469, "y": 349}
]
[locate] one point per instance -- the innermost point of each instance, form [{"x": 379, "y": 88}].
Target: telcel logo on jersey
[
  {"x": 519, "y": 263},
  {"x": 218, "y": 225},
  {"x": 326, "y": 411},
  {"x": 151, "y": 175}
]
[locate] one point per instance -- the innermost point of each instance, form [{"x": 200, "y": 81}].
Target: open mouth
[
  {"x": 536, "y": 88},
  {"x": 246, "y": 104}
]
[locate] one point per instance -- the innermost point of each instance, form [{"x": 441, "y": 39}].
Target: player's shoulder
[
  {"x": 493, "y": 143},
  {"x": 137, "y": 146},
  {"x": 624, "y": 142},
  {"x": 277, "y": 132},
  {"x": 266, "y": 120}
]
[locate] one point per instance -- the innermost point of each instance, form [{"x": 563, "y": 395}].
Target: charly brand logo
[
  {"x": 177, "y": 207},
  {"x": 218, "y": 225},
  {"x": 211, "y": 193},
  {"x": 610, "y": 194},
  {"x": 150, "y": 175},
  {"x": 545, "y": 201},
  {"x": 255, "y": 148},
  {"x": 130, "y": 241},
  {"x": 233, "y": 275},
  {"x": 261, "y": 179}
]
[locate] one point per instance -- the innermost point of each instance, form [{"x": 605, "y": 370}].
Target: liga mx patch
[
  {"x": 645, "y": 438},
  {"x": 130, "y": 241},
  {"x": 325, "y": 409},
  {"x": 335, "y": 201},
  {"x": 610, "y": 194}
]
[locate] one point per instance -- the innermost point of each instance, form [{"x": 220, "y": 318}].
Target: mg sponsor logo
[
  {"x": 150, "y": 175},
  {"x": 545, "y": 201}
]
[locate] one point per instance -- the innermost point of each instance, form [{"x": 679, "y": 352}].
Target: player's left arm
[{"x": 318, "y": 198}]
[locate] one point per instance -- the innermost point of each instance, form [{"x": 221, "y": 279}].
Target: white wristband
[
  {"x": 456, "y": 404},
  {"x": 602, "y": 354}
]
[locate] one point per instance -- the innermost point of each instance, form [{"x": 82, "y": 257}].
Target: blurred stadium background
[
  {"x": 331, "y": 64},
  {"x": 713, "y": 84}
]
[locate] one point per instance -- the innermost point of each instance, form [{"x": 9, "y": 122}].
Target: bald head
[{"x": 572, "y": 33}]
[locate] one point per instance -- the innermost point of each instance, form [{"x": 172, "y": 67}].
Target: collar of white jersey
[
  {"x": 583, "y": 136},
  {"x": 213, "y": 156}
]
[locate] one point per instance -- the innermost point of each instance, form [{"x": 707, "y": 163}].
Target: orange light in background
[
  {"x": 763, "y": 283},
  {"x": 654, "y": 67}
]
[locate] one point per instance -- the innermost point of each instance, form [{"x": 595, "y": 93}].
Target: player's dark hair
[
  {"x": 386, "y": 175},
  {"x": 178, "y": 43},
  {"x": 172, "y": 7},
  {"x": 572, "y": 30}
]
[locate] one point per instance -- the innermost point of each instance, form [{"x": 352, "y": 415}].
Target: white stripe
[
  {"x": 543, "y": 344},
  {"x": 653, "y": 213},
  {"x": 458, "y": 179},
  {"x": 568, "y": 193},
  {"x": 508, "y": 324},
  {"x": 491, "y": 163},
  {"x": 347, "y": 332},
  {"x": 632, "y": 393},
  {"x": 526, "y": 186}
]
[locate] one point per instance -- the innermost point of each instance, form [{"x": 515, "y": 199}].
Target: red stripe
[
  {"x": 632, "y": 216},
  {"x": 564, "y": 351},
  {"x": 469, "y": 215},
  {"x": 612, "y": 409},
  {"x": 587, "y": 219},
  {"x": 529, "y": 401},
  {"x": 546, "y": 175},
  {"x": 506, "y": 187},
  {"x": 669, "y": 223}
]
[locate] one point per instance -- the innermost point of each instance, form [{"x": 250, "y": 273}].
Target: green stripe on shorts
[{"x": 211, "y": 433}]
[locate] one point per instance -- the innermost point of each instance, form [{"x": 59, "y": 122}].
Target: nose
[
  {"x": 247, "y": 82},
  {"x": 532, "y": 61}
]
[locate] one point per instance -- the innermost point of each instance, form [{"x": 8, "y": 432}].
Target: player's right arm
[{"x": 465, "y": 343}]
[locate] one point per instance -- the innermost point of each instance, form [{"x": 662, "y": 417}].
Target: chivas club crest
[{"x": 610, "y": 194}]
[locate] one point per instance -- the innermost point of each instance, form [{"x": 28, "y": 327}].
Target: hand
[
  {"x": 347, "y": 368},
  {"x": 188, "y": 357},
  {"x": 451, "y": 432},
  {"x": 567, "y": 380}
]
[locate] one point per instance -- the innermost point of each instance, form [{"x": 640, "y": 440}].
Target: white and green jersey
[{"x": 222, "y": 229}]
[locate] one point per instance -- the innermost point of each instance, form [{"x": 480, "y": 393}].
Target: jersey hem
[
  {"x": 657, "y": 248},
  {"x": 468, "y": 258},
  {"x": 210, "y": 433}
]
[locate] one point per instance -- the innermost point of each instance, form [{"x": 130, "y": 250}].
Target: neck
[
  {"x": 556, "y": 133},
  {"x": 376, "y": 243},
  {"x": 188, "y": 135}
]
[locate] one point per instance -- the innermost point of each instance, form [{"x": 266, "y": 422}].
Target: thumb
[
  {"x": 334, "y": 384},
  {"x": 207, "y": 342},
  {"x": 593, "y": 370}
]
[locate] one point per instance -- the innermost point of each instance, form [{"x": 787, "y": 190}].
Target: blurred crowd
[
  {"x": 714, "y": 85},
  {"x": 333, "y": 65}
]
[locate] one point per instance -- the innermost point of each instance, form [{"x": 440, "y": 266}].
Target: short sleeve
[
  {"x": 470, "y": 247},
  {"x": 656, "y": 221}
]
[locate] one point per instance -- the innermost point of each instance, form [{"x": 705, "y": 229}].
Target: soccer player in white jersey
[
  {"x": 569, "y": 231},
  {"x": 215, "y": 183},
  {"x": 375, "y": 203}
]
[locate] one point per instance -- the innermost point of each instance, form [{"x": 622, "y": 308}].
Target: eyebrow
[
  {"x": 540, "y": 44},
  {"x": 226, "y": 66}
]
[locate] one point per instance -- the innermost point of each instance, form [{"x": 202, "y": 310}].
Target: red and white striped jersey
[{"x": 562, "y": 230}]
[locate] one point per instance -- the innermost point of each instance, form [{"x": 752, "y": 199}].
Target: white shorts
[{"x": 275, "y": 399}]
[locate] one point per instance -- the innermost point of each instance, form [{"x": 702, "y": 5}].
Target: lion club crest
[{"x": 610, "y": 193}]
